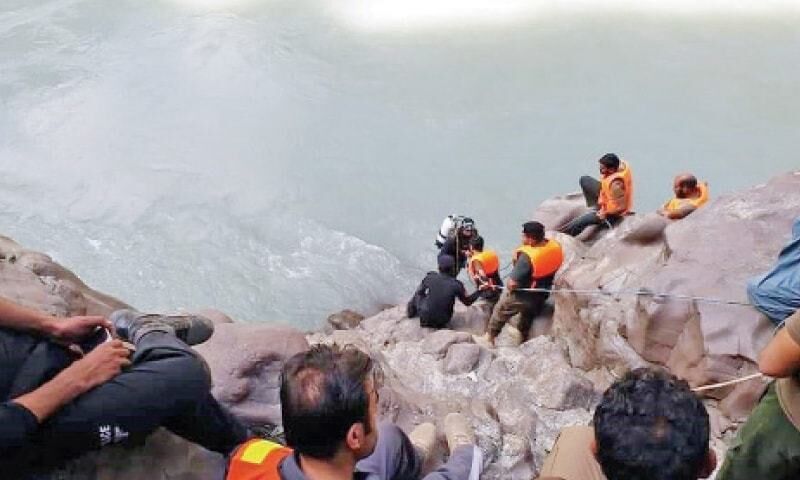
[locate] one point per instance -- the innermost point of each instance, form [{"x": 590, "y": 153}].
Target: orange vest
[
  {"x": 678, "y": 203},
  {"x": 257, "y": 459},
  {"x": 606, "y": 201},
  {"x": 489, "y": 261},
  {"x": 546, "y": 259}
]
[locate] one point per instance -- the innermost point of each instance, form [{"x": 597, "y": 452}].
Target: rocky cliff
[{"x": 517, "y": 397}]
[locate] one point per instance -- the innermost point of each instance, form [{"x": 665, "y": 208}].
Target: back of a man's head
[
  {"x": 323, "y": 393},
  {"x": 610, "y": 160},
  {"x": 650, "y": 426},
  {"x": 476, "y": 243}
]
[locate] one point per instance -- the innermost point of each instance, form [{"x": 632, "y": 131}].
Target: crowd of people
[{"x": 78, "y": 384}]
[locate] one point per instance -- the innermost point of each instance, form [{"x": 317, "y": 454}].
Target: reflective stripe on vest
[
  {"x": 257, "y": 459},
  {"x": 489, "y": 261},
  {"x": 546, "y": 259},
  {"x": 678, "y": 203},
  {"x": 606, "y": 201}
]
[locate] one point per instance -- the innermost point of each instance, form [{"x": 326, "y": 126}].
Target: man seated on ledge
[
  {"x": 55, "y": 407},
  {"x": 329, "y": 405},
  {"x": 689, "y": 196},
  {"x": 435, "y": 298},
  {"x": 649, "y": 426},
  {"x": 768, "y": 445},
  {"x": 610, "y": 198}
]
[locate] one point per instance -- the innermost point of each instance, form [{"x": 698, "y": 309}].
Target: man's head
[
  {"x": 447, "y": 264},
  {"x": 532, "y": 233},
  {"x": 684, "y": 185},
  {"x": 650, "y": 426},
  {"x": 476, "y": 244},
  {"x": 329, "y": 401},
  {"x": 467, "y": 228},
  {"x": 609, "y": 163}
]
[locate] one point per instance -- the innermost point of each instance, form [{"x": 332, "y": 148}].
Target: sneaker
[
  {"x": 458, "y": 431},
  {"x": 423, "y": 437},
  {"x": 130, "y": 325}
]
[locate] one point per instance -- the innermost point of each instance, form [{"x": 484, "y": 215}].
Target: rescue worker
[
  {"x": 484, "y": 269},
  {"x": 535, "y": 265},
  {"x": 689, "y": 196},
  {"x": 434, "y": 299},
  {"x": 457, "y": 243},
  {"x": 610, "y": 198},
  {"x": 329, "y": 407},
  {"x": 57, "y": 406}
]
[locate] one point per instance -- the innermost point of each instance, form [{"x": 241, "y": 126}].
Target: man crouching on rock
[
  {"x": 329, "y": 403},
  {"x": 57, "y": 404}
]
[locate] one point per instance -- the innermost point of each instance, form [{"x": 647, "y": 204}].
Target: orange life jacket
[
  {"x": 488, "y": 260},
  {"x": 257, "y": 459},
  {"x": 546, "y": 259},
  {"x": 678, "y": 203},
  {"x": 606, "y": 201}
]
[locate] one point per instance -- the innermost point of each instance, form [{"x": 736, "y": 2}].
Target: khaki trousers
[{"x": 572, "y": 457}]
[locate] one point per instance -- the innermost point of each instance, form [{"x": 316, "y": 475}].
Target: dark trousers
[
  {"x": 591, "y": 192},
  {"x": 527, "y": 304},
  {"x": 167, "y": 385}
]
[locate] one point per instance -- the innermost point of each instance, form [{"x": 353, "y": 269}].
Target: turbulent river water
[{"x": 283, "y": 159}]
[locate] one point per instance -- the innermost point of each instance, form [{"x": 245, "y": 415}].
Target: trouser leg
[
  {"x": 591, "y": 190},
  {"x": 572, "y": 457},
  {"x": 578, "y": 225},
  {"x": 767, "y": 446},
  {"x": 532, "y": 304},
  {"x": 166, "y": 386},
  {"x": 465, "y": 463},
  {"x": 394, "y": 457},
  {"x": 506, "y": 308},
  {"x": 413, "y": 307}
]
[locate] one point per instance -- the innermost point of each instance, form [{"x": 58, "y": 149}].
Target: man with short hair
[
  {"x": 329, "y": 405},
  {"x": 649, "y": 425},
  {"x": 456, "y": 245},
  {"x": 689, "y": 196},
  {"x": 435, "y": 298},
  {"x": 610, "y": 198},
  {"x": 535, "y": 265},
  {"x": 484, "y": 269},
  {"x": 57, "y": 405},
  {"x": 768, "y": 445}
]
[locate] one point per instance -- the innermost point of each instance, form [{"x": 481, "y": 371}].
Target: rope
[
  {"x": 728, "y": 383},
  {"x": 639, "y": 293}
]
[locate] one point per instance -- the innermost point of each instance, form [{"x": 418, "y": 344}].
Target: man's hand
[
  {"x": 98, "y": 366},
  {"x": 511, "y": 284},
  {"x": 74, "y": 329}
]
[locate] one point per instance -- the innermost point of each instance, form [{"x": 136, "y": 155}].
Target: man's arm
[
  {"x": 68, "y": 330},
  {"x": 468, "y": 299},
  {"x": 781, "y": 357},
  {"x": 618, "y": 195},
  {"x": 522, "y": 272},
  {"x": 681, "y": 212}
]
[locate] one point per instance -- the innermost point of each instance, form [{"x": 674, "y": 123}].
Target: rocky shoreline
[{"x": 517, "y": 397}]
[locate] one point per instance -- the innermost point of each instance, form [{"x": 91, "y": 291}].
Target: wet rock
[{"x": 345, "y": 320}]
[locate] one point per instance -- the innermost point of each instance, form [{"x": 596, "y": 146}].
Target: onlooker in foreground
[
  {"x": 329, "y": 402},
  {"x": 689, "y": 196},
  {"x": 435, "y": 298},
  {"x": 768, "y": 445},
  {"x": 648, "y": 426},
  {"x": 610, "y": 198},
  {"x": 56, "y": 407}
]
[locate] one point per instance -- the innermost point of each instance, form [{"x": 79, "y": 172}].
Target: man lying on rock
[
  {"x": 329, "y": 403},
  {"x": 58, "y": 404},
  {"x": 648, "y": 426}
]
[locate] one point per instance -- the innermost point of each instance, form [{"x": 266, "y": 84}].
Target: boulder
[
  {"x": 345, "y": 320},
  {"x": 461, "y": 358},
  {"x": 439, "y": 341}
]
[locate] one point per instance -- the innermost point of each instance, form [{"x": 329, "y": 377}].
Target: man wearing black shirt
[
  {"x": 436, "y": 296},
  {"x": 457, "y": 246}
]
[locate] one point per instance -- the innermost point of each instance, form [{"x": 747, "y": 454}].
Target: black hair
[
  {"x": 323, "y": 394},
  {"x": 650, "y": 426},
  {"x": 610, "y": 160},
  {"x": 533, "y": 229},
  {"x": 689, "y": 181},
  {"x": 476, "y": 242}
]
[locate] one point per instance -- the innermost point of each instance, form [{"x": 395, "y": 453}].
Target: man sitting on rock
[
  {"x": 689, "y": 196},
  {"x": 648, "y": 426},
  {"x": 484, "y": 269},
  {"x": 56, "y": 407},
  {"x": 768, "y": 445},
  {"x": 535, "y": 265},
  {"x": 610, "y": 198},
  {"x": 434, "y": 299},
  {"x": 329, "y": 405}
]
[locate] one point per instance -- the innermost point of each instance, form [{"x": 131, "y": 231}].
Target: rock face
[{"x": 517, "y": 398}]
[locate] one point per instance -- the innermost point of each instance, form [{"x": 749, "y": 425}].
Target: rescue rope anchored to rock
[{"x": 736, "y": 381}]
